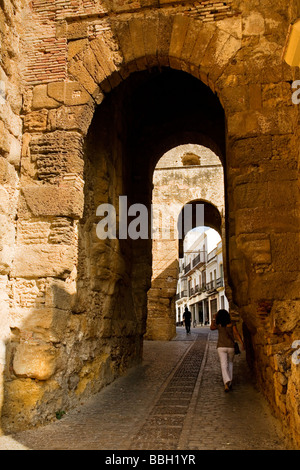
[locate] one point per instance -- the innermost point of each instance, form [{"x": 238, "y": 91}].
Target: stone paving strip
[
  {"x": 174, "y": 400},
  {"x": 164, "y": 425}
]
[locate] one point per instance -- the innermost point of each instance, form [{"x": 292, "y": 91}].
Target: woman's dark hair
[{"x": 223, "y": 318}]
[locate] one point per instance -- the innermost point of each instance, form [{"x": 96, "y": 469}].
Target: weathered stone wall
[
  {"x": 74, "y": 53},
  {"x": 10, "y": 155},
  {"x": 175, "y": 184}
]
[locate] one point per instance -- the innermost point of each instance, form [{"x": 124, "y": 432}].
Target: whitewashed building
[{"x": 201, "y": 277}]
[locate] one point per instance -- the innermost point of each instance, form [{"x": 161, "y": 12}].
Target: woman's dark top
[{"x": 226, "y": 337}]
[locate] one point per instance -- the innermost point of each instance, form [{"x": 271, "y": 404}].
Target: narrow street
[{"x": 173, "y": 401}]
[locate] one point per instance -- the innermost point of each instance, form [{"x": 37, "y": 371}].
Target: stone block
[
  {"x": 268, "y": 121},
  {"x": 107, "y": 55},
  {"x": 35, "y": 361},
  {"x": 60, "y": 294},
  {"x": 40, "y": 98},
  {"x": 7, "y": 239},
  {"x": 179, "y": 31},
  {"x": 137, "y": 37},
  {"x": 255, "y": 96},
  {"x": 286, "y": 251},
  {"x": 10, "y": 146},
  {"x": 260, "y": 219},
  {"x": 77, "y": 30},
  {"x": 36, "y": 121},
  {"x": 75, "y": 47},
  {"x": 14, "y": 154},
  {"x": 150, "y": 30},
  {"x": 165, "y": 25},
  {"x": 45, "y": 261},
  {"x": 69, "y": 93},
  {"x": 236, "y": 98},
  {"x": 285, "y": 316},
  {"x": 43, "y": 324},
  {"x": 249, "y": 195},
  {"x": 256, "y": 248},
  {"x": 254, "y": 24},
  {"x": 252, "y": 151},
  {"x": 4, "y": 319},
  {"x": 32, "y": 231},
  {"x": 56, "y": 154},
  {"x": 24, "y": 394},
  {"x": 54, "y": 201},
  {"x": 8, "y": 175},
  {"x": 126, "y": 45},
  {"x": 94, "y": 68},
  {"x": 275, "y": 286},
  {"x": 5, "y": 204},
  {"x": 78, "y": 71},
  {"x": 205, "y": 35},
  {"x": 12, "y": 122},
  {"x": 76, "y": 118},
  {"x": 4, "y": 147},
  {"x": 274, "y": 94}
]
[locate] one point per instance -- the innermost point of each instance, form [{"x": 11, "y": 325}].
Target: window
[{"x": 213, "y": 306}]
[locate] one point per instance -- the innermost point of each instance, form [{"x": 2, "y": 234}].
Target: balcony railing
[
  {"x": 182, "y": 294},
  {"x": 187, "y": 268},
  {"x": 200, "y": 289},
  {"x": 215, "y": 284},
  {"x": 197, "y": 262},
  {"x": 200, "y": 259},
  {"x": 211, "y": 286}
]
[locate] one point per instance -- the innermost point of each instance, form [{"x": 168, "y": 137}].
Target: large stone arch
[{"x": 240, "y": 58}]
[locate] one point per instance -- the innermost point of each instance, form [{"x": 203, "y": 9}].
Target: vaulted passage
[{"x": 148, "y": 114}]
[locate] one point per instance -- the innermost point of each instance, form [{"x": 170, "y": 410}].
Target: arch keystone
[{"x": 179, "y": 32}]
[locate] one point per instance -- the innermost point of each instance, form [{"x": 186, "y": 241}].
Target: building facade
[{"x": 201, "y": 279}]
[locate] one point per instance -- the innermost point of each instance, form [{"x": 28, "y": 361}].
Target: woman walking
[{"x": 225, "y": 346}]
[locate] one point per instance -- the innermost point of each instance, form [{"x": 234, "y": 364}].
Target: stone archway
[
  {"x": 174, "y": 186},
  {"x": 74, "y": 58}
]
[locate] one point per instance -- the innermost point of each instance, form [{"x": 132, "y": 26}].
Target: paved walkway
[{"x": 173, "y": 401}]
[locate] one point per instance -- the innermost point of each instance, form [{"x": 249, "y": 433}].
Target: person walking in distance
[
  {"x": 225, "y": 346},
  {"x": 187, "y": 316}
]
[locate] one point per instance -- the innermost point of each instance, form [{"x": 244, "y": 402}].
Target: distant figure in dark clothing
[{"x": 187, "y": 316}]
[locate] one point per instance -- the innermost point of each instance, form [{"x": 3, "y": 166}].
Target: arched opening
[
  {"x": 180, "y": 202},
  {"x": 201, "y": 283},
  {"x": 209, "y": 213},
  {"x": 148, "y": 113}
]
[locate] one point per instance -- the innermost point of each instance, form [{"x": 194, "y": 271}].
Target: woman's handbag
[{"x": 236, "y": 348}]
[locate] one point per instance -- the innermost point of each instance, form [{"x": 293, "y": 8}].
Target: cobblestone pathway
[
  {"x": 173, "y": 401},
  {"x": 165, "y": 422}
]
